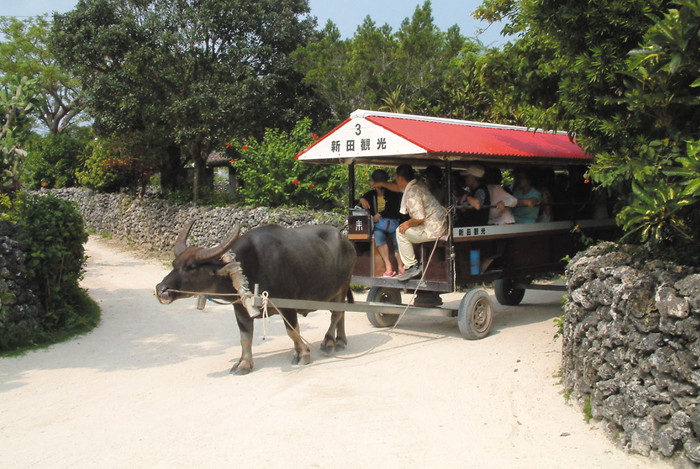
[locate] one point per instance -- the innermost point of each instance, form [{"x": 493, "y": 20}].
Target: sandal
[{"x": 389, "y": 273}]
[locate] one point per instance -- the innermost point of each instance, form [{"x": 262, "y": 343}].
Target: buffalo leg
[
  {"x": 302, "y": 354},
  {"x": 335, "y": 336},
  {"x": 340, "y": 339},
  {"x": 245, "y": 326}
]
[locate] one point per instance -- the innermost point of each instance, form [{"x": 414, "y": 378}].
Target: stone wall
[
  {"x": 154, "y": 224},
  {"x": 631, "y": 348},
  {"x": 20, "y": 311}
]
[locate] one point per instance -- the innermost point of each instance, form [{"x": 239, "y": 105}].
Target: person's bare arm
[{"x": 392, "y": 186}]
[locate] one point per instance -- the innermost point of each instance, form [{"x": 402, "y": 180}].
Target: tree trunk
[
  {"x": 171, "y": 169},
  {"x": 199, "y": 179}
]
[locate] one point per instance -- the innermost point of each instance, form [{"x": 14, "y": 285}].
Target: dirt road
[{"x": 150, "y": 388}]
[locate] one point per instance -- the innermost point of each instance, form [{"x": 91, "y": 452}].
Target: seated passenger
[
  {"x": 384, "y": 205},
  {"x": 476, "y": 195},
  {"x": 544, "y": 180},
  {"x": 427, "y": 222},
  {"x": 502, "y": 201},
  {"x": 433, "y": 179},
  {"x": 529, "y": 198}
]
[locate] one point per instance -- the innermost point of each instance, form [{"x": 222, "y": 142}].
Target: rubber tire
[
  {"x": 506, "y": 292},
  {"x": 383, "y": 295},
  {"x": 475, "y": 315}
]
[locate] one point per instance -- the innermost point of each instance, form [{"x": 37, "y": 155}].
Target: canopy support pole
[{"x": 351, "y": 183}]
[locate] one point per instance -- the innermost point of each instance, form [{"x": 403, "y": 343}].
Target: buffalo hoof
[
  {"x": 243, "y": 367},
  {"x": 340, "y": 344},
  {"x": 328, "y": 346},
  {"x": 301, "y": 360}
]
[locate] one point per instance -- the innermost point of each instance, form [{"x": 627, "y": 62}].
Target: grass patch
[
  {"x": 89, "y": 319},
  {"x": 567, "y": 394},
  {"x": 587, "y": 409}
]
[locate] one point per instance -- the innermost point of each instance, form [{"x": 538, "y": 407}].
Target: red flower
[
  {"x": 295, "y": 182},
  {"x": 227, "y": 144},
  {"x": 231, "y": 161},
  {"x": 245, "y": 147},
  {"x": 311, "y": 186},
  {"x": 586, "y": 181},
  {"x": 315, "y": 136}
]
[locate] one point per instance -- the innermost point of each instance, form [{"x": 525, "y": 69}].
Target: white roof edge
[{"x": 363, "y": 113}]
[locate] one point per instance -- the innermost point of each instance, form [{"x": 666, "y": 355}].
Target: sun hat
[{"x": 475, "y": 170}]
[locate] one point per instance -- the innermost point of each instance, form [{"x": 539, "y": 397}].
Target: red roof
[{"x": 425, "y": 138}]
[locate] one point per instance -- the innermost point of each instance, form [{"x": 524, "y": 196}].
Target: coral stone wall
[
  {"x": 20, "y": 311},
  {"x": 154, "y": 223},
  {"x": 631, "y": 347}
]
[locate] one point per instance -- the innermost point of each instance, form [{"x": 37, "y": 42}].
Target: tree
[
  {"x": 662, "y": 95},
  {"x": 188, "y": 73},
  {"x": 16, "y": 100},
  {"x": 25, "y": 52},
  {"x": 621, "y": 76},
  {"x": 379, "y": 68},
  {"x": 52, "y": 161}
]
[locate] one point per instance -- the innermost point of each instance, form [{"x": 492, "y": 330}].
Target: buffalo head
[{"x": 196, "y": 269}]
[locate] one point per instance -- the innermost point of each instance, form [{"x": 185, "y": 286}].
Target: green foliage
[
  {"x": 24, "y": 51},
  {"x": 587, "y": 409},
  {"x": 187, "y": 74},
  {"x": 656, "y": 214},
  {"x": 54, "y": 233},
  {"x": 271, "y": 175},
  {"x": 559, "y": 325},
  {"x": 7, "y": 212},
  {"x": 665, "y": 103},
  {"x": 109, "y": 167},
  {"x": 624, "y": 77},
  {"x": 400, "y": 71},
  {"x": 53, "y": 161},
  {"x": 16, "y": 341},
  {"x": 15, "y": 102}
]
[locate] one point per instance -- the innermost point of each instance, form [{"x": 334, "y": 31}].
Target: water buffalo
[{"x": 309, "y": 263}]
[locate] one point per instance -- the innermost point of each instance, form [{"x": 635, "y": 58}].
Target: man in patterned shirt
[{"x": 427, "y": 222}]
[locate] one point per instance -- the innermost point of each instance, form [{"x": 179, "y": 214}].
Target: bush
[
  {"x": 109, "y": 167},
  {"x": 54, "y": 233},
  {"x": 271, "y": 176},
  {"x": 53, "y": 161}
]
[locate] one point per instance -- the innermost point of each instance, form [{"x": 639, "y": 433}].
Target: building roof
[{"x": 382, "y": 138}]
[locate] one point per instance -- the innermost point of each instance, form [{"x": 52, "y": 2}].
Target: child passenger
[{"x": 384, "y": 206}]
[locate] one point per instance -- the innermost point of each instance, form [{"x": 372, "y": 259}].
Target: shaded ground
[{"x": 150, "y": 388}]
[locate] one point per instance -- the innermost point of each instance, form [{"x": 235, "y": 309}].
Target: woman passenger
[{"x": 529, "y": 198}]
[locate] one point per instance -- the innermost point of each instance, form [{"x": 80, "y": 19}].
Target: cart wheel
[
  {"x": 383, "y": 295},
  {"x": 475, "y": 315},
  {"x": 507, "y": 293}
]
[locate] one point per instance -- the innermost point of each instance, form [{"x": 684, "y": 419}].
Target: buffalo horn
[
  {"x": 181, "y": 241},
  {"x": 217, "y": 251}
]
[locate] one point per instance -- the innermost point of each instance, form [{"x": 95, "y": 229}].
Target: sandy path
[{"x": 150, "y": 388}]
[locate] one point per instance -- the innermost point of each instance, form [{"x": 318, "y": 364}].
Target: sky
[{"x": 346, "y": 14}]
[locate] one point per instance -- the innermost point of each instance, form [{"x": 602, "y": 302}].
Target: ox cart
[{"x": 511, "y": 256}]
